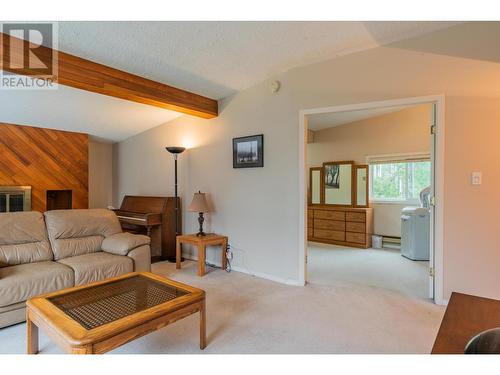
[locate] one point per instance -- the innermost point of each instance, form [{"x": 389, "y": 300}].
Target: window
[{"x": 399, "y": 181}]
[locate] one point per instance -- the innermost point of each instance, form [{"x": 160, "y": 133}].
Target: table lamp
[{"x": 199, "y": 204}]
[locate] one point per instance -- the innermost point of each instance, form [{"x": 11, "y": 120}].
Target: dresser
[{"x": 351, "y": 227}]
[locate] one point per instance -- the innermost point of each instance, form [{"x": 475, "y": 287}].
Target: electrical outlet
[{"x": 476, "y": 178}]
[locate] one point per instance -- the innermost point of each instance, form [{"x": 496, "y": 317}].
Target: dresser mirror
[
  {"x": 338, "y": 183},
  {"x": 315, "y": 185},
  {"x": 361, "y": 183}
]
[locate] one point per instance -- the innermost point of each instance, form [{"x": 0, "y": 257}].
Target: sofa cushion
[
  {"x": 12, "y": 314},
  {"x": 78, "y": 232},
  {"x": 21, "y": 282},
  {"x": 23, "y": 238},
  {"x": 122, "y": 243},
  {"x": 98, "y": 266}
]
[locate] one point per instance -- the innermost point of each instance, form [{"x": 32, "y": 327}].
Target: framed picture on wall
[{"x": 248, "y": 152}]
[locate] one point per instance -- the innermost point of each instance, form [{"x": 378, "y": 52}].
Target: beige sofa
[{"x": 64, "y": 248}]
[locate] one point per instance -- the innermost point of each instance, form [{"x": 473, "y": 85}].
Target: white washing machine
[{"x": 415, "y": 233}]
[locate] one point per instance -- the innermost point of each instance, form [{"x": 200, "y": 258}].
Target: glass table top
[{"x": 95, "y": 306}]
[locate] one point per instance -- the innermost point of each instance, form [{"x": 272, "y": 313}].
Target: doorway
[{"x": 435, "y": 125}]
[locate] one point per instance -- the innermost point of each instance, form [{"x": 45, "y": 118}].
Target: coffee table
[{"x": 102, "y": 316}]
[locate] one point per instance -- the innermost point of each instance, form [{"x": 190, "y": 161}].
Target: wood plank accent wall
[{"x": 46, "y": 160}]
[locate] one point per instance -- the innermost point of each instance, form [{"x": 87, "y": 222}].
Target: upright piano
[{"x": 155, "y": 217}]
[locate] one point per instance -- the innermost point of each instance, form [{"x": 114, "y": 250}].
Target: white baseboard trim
[
  {"x": 269, "y": 277},
  {"x": 256, "y": 274}
]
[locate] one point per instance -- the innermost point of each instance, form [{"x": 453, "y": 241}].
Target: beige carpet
[
  {"x": 247, "y": 314},
  {"x": 379, "y": 268}
]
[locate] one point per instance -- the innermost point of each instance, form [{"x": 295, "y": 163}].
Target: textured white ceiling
[
  {"x": 331, "y": 119},
  {"x": 217, "y": 59},
  {"x": 80, "y": 111}
]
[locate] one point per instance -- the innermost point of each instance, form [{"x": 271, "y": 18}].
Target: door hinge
[
  {"x": 433, "y": 129},
  {"x": 433, "y": 201},
  {"x": 431, "y": 271}
]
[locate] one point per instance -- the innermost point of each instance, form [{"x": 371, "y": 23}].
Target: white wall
[
  {"x": 387, "y": 218},
  {"x": 258, "y": 208},
  {"x": 100, "y": 174},
  {"x": 245, "y": 200}
]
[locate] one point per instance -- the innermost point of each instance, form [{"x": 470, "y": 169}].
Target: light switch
[{"x": 476, "y": 178}]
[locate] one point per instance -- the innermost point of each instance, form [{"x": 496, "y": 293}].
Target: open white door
[{"x": 433, "y": 124}]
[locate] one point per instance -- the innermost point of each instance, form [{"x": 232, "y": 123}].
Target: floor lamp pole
[
  {"x": 175, "y": 151},
  {"x": 176, "y": 200}
]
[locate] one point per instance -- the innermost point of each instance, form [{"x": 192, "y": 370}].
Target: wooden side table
[
  {"x": 465, "y": 317},
  {"x": 201, "y": 242}
]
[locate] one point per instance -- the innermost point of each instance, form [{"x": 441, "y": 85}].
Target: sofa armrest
[
  {"x": 142, "y": 258},
  {"x": 123, "y": 243}
]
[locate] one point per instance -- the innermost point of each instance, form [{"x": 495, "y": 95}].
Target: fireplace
[
  {"x": 15, "y": 198},
  {"x": 59, "y": 200}
]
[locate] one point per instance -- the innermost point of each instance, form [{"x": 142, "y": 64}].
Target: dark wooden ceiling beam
[{"x": 80, "y": 73}]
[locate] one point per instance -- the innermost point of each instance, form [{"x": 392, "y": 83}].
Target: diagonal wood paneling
[{"x": 45, "y": 159}]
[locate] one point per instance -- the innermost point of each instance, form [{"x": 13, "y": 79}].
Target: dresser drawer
[
  {"x": 329, "y": 224},
  {"x": 329, "y": 215},
  {"x": 355, "y": 237},
  {"x": 329, "y": 234},
  {"x": 355, "y": 216},
  {"x": 310, "y": 222},
  {"x": 355, "y": 227},
  {"x": 310, "y": 214}
]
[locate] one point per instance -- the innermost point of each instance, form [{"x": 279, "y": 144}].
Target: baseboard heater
[{"x": 391, "y": 242}]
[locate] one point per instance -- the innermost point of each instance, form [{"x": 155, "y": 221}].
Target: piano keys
[{"x": 155, "y": 217}]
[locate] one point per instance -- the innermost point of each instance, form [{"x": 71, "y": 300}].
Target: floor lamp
[{"x": 175, "y": 151}]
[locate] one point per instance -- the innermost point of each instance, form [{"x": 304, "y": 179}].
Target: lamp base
[{"x": 201, "y": 219}]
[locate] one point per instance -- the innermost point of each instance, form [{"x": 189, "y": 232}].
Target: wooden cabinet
[
  {"x": 326, "y": 234},
  {"x": 329, "y": 214},
  {"x": 329, "y": 224},
  {"x": 340, "y": 226}
]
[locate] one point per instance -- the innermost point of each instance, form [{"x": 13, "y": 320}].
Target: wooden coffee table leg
[
  {"x": 224, "y": 256},
  {"x": 201, "y": 260},
  {"x": 31, "y": 336},
  {"x": 203, "y": 326},
  {"x": 178, "y": 254},
  {"x": 82, "y": 350}
]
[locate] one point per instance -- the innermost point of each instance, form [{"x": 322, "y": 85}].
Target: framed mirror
[
  {"x": 338, "y": 183},
  {"x": 361, "y": 178},
  {"x": 315, "y": 185}
]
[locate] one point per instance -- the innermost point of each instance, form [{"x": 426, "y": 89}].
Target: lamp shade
[
  {"x": 199, "y": 203},
  {"x": 175, "y": 149}
]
